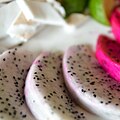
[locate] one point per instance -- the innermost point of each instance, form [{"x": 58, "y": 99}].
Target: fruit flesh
[
  {"x": 107, "y": 53},
  {"x": 14, "y": 65},
  {"x": 89, "y": 84},
  {"x": 46, "y": 94}
]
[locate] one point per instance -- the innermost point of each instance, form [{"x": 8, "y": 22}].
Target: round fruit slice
[
  {"x": 89, "y": 84},
  {"x": 46, "y": 94},
  {"x": 14, "y": 65},
  {"x": 101, "y": 10}
]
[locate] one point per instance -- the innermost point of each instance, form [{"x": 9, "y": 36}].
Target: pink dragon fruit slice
[
  {"x": 14, "y": 65},
  {"x": 89, "y": 84},
  {"x": 46, "y": 94},
  {"x": 108, "y": 55},
  {"x": 115, "y": 23}
]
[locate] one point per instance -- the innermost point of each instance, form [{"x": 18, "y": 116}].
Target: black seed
[
  {"x": 44, "y": 97},
  {"x": 14, "y": 58},
  {"x": 7, "y": 99},
  {"x": 6, "y": 109},
  {"x": 94, "y": 95},
  {"x": 37, "y": 84},
  {"x": 24, "y": 116},
  {"x": 92, "y": 83},
  {"x": 116, "y": 104},
  {"x": 61, "y": 96},
  {"x": 3, "y": 59}
]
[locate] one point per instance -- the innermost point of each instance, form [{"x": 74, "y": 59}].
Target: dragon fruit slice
[
  {"x": 115, "y": 23},
  {"x": 14, "y": 65},
  {"x": 108, "y": 55},
  {"x": 46, "y": 94},
  {"x": 89, "y": 84}
]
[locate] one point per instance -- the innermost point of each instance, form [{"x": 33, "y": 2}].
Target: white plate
[{"x": 57, "y": 38}]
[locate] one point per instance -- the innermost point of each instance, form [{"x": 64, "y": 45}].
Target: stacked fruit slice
[
  {"x": 14, "y": 65},
  {"x": 46, "y": 93},
  {"x": 88, "y": 83},
  {"x": 57, "y": 85}
]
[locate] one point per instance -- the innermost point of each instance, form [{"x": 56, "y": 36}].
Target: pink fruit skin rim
[
  {"x": 115, "y": 23},
  {"x": 110, "y": 66}
]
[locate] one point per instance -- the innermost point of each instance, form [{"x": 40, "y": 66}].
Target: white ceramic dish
[{"x": 57, "y": 38}]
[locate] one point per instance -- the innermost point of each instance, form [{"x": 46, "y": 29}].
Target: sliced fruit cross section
[
  {"x": 46, "y": 94},
  {"x": 89, "y": 84},
  {"x": 14, "y": 65}
]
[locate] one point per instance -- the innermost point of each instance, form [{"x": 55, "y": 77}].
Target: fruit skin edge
[{"x": 115, "y": 23}]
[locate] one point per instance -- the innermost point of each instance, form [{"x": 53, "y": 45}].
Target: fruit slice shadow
[
  {"x": 46, "y": 94},
  {"x": 14, "y": 65},
  {"x": 89, "y": 84}
]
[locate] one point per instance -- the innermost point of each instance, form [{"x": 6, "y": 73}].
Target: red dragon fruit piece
[
  {"x": 108, "y": 55},
  {"x": 115, "y": 23}
]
